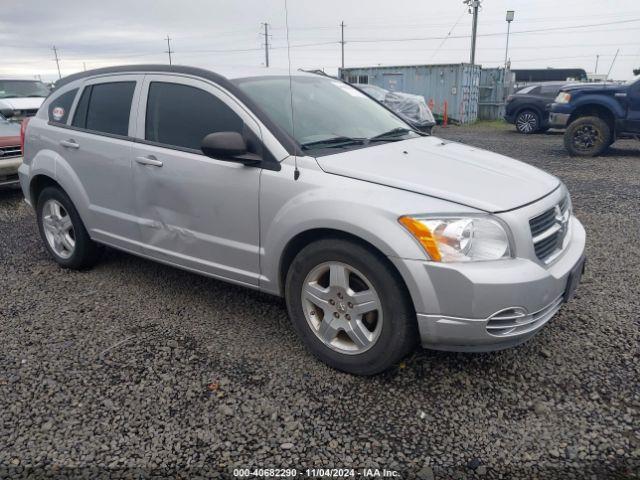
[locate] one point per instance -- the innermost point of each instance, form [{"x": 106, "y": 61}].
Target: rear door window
[
  {"x": 60, "y": 106},
  {"x": 181, "y": 115},
  {"x": 550, "y": 91},
  {"x": 530, "y": 90},
  {"x": 105, "y": 108}
]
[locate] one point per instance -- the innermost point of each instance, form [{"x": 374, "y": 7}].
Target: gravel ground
[{"x": 134, "y": 368}]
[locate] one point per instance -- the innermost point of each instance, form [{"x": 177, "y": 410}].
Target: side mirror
[{"x": 229, "y": 146}]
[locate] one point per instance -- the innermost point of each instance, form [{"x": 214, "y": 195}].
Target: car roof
[
  {"x": 220, "y": 75},
  {"x": 545, "y": 84},
  {"x": 223, "y": 77}
]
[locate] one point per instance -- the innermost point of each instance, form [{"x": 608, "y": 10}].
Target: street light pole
[{"x": 510, "y": 16}]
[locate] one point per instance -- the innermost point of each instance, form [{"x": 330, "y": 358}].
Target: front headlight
[
  {"x": 563, "y": 97},
  {"x": 459, "y": 239}
]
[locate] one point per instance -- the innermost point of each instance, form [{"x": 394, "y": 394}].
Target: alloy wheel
[
  {"x": 58, "y": 228},
  {"x": 527, "y": 122},
  {"x": 342, "y": 308},
  {"x": 586, "y": 137}
]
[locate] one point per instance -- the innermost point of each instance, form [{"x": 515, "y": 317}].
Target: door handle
[
  {"x": 70, "y": 144},
  {"x": 150, "y": 160}
]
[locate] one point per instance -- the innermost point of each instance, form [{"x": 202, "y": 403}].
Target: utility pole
[
  {"x": 169, "y": 51},
  {"x": 342, "y": 42},
  {"x": 597, "y": 60},
  {"x": 266, "y": 44},
  {"x": 474, "y": 6},
  {"x": 84, "y": 66},
  {"x": 55, "y": 53}
]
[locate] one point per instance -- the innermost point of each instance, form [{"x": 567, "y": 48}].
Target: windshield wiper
[
  {"x": 334, "y": 142},
  {"x": 392, "y": 135},
  {"x": 35, "y": 96}
]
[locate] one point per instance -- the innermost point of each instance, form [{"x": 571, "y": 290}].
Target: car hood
[
  {"x": 8, "y": 129},
  {"x": 27, "y": 103},
  {"x": 595, "y": 87},
  {"x": 447, "y": 170}
]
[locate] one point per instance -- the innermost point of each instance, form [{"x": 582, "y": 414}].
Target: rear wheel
[
  {"x": 527, "y": 122},
  {"x": 350, "y": 307},
  {"x": 63, "y": 233},
  {"x": 587, "y": 137}
]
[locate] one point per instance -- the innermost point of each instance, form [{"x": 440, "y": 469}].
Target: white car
[{"x": 21, "y": 98}]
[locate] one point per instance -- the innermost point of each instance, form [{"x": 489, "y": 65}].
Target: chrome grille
[
  {"x": 549, "y": 229},
  {"x": 9, "y": 152}
]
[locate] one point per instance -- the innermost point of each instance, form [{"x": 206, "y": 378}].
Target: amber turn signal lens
[{"x": 423, "y": 235}]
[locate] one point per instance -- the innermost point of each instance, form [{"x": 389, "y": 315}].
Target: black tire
[
  {"x": 587, "y": 137},
  {"x": 86, "y": 252},
  {"x": 398, "y": 332},
  {"x": 527, "y": 122}
]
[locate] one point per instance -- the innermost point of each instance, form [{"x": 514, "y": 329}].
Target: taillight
[
  {"x": 509, "y": 98},
  {"x": 23, "y": 132}
]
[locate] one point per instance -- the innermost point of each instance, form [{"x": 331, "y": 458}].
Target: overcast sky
[{"x": 206, "y": 33}]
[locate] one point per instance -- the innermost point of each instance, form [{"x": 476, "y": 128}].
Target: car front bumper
[
  {"x": 466, "y": 306},
  {"x": 558, "y": 120},
  {"x": 9, "y": 170}
]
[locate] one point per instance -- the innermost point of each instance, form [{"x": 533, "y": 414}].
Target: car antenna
[{"x": 296, "y": 172}]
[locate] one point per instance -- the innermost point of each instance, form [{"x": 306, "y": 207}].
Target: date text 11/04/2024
[{"x": 315, "y": 472}]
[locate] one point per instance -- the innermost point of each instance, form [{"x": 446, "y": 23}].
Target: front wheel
[
  {"x": 587, "y": 137},
  {"x": 527, "y": 122},
  {"x": 350, "y": 307}
]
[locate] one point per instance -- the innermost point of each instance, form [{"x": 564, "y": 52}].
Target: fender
[
  {"x": 600, "y": 100},
  {"x": 51, "y": 164},
  {"x": 540, "y": 113},
  {"x": 372, "y": 215}
]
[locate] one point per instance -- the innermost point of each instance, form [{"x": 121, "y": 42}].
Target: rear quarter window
[{"x": 60, "y": 106}]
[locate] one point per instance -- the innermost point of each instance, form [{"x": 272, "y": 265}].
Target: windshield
[
  {"x": 22, "y": 88},
  {"x": 634, "y": 80},
  {"x": 324, "y": 109}
]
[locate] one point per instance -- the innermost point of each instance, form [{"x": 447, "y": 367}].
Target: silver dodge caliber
[{"x": 378, "y": 237}]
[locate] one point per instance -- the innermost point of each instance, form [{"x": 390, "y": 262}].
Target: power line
[
  {"x": 447, "y": 37},
  {"x": 387, "y": 25},
  {"x": 415, "y": 39}
]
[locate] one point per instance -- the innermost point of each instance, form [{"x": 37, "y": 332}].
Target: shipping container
[
  {"x": 454, "y": 86},
  {"x": 496, "y": 84}
]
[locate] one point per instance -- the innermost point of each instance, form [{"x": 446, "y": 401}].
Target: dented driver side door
[{"x": 194, "y": 211}]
